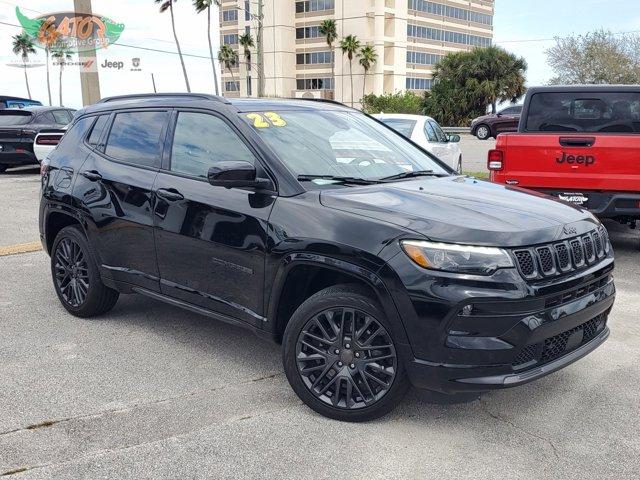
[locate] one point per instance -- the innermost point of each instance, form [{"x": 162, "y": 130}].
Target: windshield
[
  {"x": 404, "y": 127},
  {"x": 339, "y": 143},
  {"x": 14, "y": 118}
]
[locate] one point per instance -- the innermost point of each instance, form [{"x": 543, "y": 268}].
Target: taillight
[
  {"x": 48, "y": 139},
  {"x": 495, "y": 160}
]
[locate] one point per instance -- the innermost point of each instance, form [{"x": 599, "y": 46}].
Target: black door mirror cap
[{"x": 236, "y": 174}]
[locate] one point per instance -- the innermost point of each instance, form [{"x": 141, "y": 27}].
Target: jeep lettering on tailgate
[{"x": 585, "y": 160}]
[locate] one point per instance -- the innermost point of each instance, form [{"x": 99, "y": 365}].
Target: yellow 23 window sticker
[{"x": 266, "y": 120}]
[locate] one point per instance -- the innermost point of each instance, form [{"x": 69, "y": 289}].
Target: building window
[
  {"x": 451, "y": 12},
  {"x": 414, "y": 83},
  {"x": 247, "y": 10},
  {"x": 231, "y": 39},
  {"x": 418, "y": 31},
  {"x": 249, "y": 89},
  {"x": 232, "y": 86},
  {"x": 308, "y": 32},
  {"x": 313, "y": 58},
  {"x": 230, "y": 15},
  {"x": 422, "y": 58},
  {"x": 314, "y": 5},
  {"x": 314, "y": 84}
]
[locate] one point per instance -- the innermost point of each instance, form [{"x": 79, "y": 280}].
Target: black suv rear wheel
[
  {"x": 340, "y": 357},
  {"x": 76, "y": 277}
]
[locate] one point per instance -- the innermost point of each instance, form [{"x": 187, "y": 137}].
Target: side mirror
[
  {"x": 235, "y": 174},
  {"x": 454, "y": 138}
]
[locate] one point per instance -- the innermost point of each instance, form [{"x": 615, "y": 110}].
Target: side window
[
  {"x": 442, "y": 137},
  {"x": 135, "y": 137},
  {"x": 201, "y": 141},
  {"x": 75, "y": 134},
  {"x": 431, "y": 134},
  {"x": 61, "y": 117},
  {"x": 98, "y": 128},
  {"x": 46, "y": 117}
]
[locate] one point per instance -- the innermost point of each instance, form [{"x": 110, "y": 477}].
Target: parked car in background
[
  {"x": 426, "y": 132},
  {"x": 490, "y": 126},
  {"x": 18, "y": 130},
  {"x": 46, "y": 141},
  {"x": 17, "y": 102},
  {"x": 314, "y": 225},
  {"x": 579, "y": 144}
]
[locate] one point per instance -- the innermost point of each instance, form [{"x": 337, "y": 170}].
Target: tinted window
[
  {"x": 201, "y": 141},
  {"x": 430, "y": 132},
  {"x": 614, "y": 112},
  {"x": 46, "y": 117},
  {"x": 61, "y": 117},
  {"x": 404, "y": 127},
  {"x": 76, "y": 133},
  {"x": 442, "y": 137},
  {"x": 135, "y": 137},
  {"x": 8, "y": 118},
  {"x": 98, "y": 128},
  {"x": 512, "y": 111}
]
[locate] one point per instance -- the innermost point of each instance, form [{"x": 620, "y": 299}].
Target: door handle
[
  {"x": 92, "y": 175},
  {"x": 577, "y": 141},
  {"x": 170, "y": 194}
]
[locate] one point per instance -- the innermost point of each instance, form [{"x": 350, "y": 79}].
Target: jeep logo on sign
[{"x": 570, "y": 159}]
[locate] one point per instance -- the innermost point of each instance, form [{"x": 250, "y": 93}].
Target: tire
[
  {"x": 347, "y": 378},
  {"x": 483, "y": 132},
  {"x": 76, "y": 277}
]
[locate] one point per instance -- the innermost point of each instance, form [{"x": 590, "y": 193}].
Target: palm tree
[
  {"x": 48, "y": 36},
  {"x": 23, "y": 46},
  {"x": 228, "y": 57},
  {"x": 329, "y": 30},
  {"x": 201, "y": 6},
  {"x": 368, "y": 58},
  {"x": 62, "y": 55},
  {"x": 247, "y": 42},
  {"x": 168, "y": 5},
  {"x": 350, "y": 45}
]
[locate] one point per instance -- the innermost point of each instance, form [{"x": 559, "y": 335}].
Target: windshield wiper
[
  {"x": 418, "y": 173},
  {"x": 351, "y": 180}
]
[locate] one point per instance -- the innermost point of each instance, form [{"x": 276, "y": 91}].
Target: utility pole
[
  {"x": 260, "y": 48},
  {"x": 153, "y": 80},
  {"x": 89, "y": 79}
]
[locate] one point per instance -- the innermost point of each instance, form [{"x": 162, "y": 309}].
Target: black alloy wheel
[
  {"x": 76, "y": 276},
  {"x": 71, "y": 272},
  {"x": 340, "y": 356}
]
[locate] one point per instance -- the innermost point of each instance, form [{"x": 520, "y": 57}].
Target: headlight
[{"x": 449, "y": 257}]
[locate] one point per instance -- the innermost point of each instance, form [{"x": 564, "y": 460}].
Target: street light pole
[{"x": 89, "y": 79}]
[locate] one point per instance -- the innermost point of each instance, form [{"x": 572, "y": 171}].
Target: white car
[
  {"x": 46, "y": 141},
  {"x": 426, "y": 132}
]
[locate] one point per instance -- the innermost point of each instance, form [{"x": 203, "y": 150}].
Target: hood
[
  {"x": 465, "y": 210},
  {"x": 484, "y": 118}
]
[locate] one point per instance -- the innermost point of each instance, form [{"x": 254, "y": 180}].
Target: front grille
[
  {"x": 558, "y": 345},
  {"x": 562, "y": 257}
]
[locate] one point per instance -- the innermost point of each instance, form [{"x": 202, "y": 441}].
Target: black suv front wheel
[
  {"x": 340, "y": 357},
  {"x": 76, "y": 277}
]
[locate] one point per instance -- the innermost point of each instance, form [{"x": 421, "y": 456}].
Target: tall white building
[{"x": 409, "y": 36}]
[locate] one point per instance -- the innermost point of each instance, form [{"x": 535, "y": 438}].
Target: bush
[{"x": 401, "y": 102}]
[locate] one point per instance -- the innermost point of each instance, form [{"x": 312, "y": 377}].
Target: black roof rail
[
  {"x": 321, "y": 100},
  {"x": 143, "y": 96}
]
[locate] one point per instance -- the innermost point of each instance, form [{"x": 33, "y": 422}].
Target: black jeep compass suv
[{"x": 316, "y": 226}]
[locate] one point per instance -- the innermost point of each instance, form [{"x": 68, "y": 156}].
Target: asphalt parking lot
[{"x": 151, "y": 391}]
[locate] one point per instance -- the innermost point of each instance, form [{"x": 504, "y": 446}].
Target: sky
[{"x": 524, "y": 27}]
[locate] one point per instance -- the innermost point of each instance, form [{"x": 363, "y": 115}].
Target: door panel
[
  {"x": 211, "y": 241},
  {"x": 211, "y": 246}
]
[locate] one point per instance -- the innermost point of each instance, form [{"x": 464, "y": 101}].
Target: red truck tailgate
[{"x": 574, "y": 161}]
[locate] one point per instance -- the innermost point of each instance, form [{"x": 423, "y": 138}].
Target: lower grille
[{"x": 561, "y": 344}]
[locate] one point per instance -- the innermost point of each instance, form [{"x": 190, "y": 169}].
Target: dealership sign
[{"x": 79, "y": 31}]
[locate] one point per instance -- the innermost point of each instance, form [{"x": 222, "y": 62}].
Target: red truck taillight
[{"x": 495, "y": 161}]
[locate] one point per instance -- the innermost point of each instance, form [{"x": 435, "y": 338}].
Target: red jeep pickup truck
[{"x": 580, "y": 144}]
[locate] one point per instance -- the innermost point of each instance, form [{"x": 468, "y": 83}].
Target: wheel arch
[
  {"x": 56, "y": 220},
  {"x": 303, "y": 274}
]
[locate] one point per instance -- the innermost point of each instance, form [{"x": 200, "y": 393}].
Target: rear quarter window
[{"x": 604, "y": 112}]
